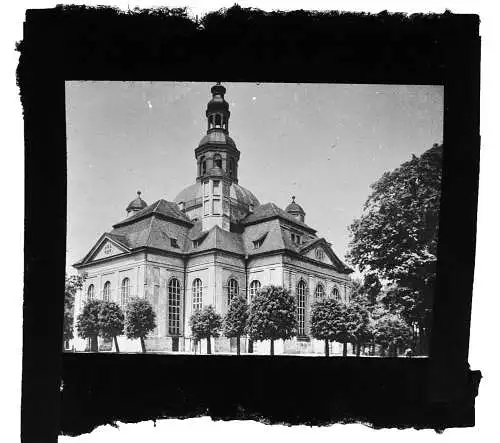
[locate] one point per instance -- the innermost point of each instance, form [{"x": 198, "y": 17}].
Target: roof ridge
[{"x": 149, "y": 229}]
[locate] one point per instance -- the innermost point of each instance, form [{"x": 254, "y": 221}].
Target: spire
[{"x": 218, "y": 110}]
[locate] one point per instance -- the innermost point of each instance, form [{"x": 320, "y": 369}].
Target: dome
[
  {"x": 294, "y": 208},
  {"x": 217, "y": 138},
  {"x": 237, "y": 193},
  {"x": 137, "y": 204}
]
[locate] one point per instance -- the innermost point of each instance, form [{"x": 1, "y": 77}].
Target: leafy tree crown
[
  {"x": 111, "y": 320},
  {"x": 140, "y": 318},
  {"x": 272, "y": 314},
  {"x": 205, "y": 323},
  {"x": 88, "y": 321},
  {"x": 236, "y": 318}
]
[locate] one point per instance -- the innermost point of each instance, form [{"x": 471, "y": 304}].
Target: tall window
[
  {"x": 197, "y": 295},
  {"x": 320, "y": 291},
  {"x": 336, "y": 294},
  {"x": 174, "y": 307},
  {"x": 217, "y": 161},
  {"x": 301, "y": 307},
  {"x": 90, "y": 293},
  {"x": 125, "y": 293},
  {"x": 106, "y": 293},
  {"x": 254, "y": 288},
  {"x": 232, "y": 289}
]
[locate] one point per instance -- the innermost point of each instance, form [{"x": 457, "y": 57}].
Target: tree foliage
[
  {"x": 111, "y": 321},
  {"x": 392, "y": 332},
  {"x": 272, "y": 315},
  {"x": 235, "y": 320},
  {"x": 325, "y": 317},
  {"x": 73, "y": 284},
  {"x": 87, "y": 324},
  {"x": 206, "y": 323},
  {"x": 140, "y": 320},
  {"x": 396, "y": 237}
]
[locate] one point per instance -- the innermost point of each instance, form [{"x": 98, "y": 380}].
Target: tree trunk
[
  {"x": 250, "y": 346},
  {"x": 327, "y": 348},
  {"x": 117, "y": 349},
  {"x": 238, "y": 345},
  {"x": 358, "y": 349},
  {"x": 272, "y": 347},
  {"x": 94, "y": 344},
  {"x": 344, "y": 350},
  {"x": 209, "y": 346},
  {"x": 143, "y": 345}
]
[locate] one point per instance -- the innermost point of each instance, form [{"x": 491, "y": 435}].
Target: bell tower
[{"x": 217, "y": 162}]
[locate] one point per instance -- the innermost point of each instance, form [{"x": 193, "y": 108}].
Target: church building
[{"x": 215, "y": 240}]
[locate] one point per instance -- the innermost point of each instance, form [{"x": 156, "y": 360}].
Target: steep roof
[
  {"x": 270, "y": 210},
  {"x": 160, "y": 208}
]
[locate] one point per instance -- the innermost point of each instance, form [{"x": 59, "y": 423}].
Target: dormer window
[
  {"x": 173, "y": 243},
  {"x": 296, "y": 238},
  {"x": 197, "y": 242},
  {"x": 259, "y": 242}
]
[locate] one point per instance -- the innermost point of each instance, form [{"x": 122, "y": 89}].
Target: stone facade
[{"x": 214, "y": 241}]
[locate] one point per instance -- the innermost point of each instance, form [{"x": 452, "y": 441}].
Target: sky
[{"x": 324, "y": 143}]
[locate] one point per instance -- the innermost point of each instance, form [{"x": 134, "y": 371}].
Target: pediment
[
  {"x": 319, "y": 253},
  {"x": 105, "y": 247}
]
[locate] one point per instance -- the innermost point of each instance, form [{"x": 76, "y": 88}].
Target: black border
[{"x": 70, "y": 43}]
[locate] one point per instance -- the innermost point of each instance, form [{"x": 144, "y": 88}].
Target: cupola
[
  {"x": 295, "y": 210},
  {"x": 136, "y": 205}
]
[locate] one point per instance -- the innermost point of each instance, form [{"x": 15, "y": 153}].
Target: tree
[
  {"x": 397, "y": 235},
  {"x": 358, "y": 325},
  {"x": 391, "y": 332},
  {"x": 87, "y": 324},
  {"x": 206, "y": 323},
  {"x": 235, "y": 320},
  {"x": 111, "y": 321},
  {"x": 324, "y": 321},
  {"x": 73, "y": 284},
  {"x": 272, "y": 315},
  {"x": 140, "y": 320}
]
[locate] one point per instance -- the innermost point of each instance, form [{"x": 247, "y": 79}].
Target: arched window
[
  {"x": 336, "y": 294},
  {"x": 254, "y": 288},
  {"x": 90, "y": 293},
  {"x": 197, "y": 295},
  {"x": 106, "y": 293},
  {"x": 231, "y": 167},
  {"x": 320, "y": 291},
  {"x": 174, "y": 307},
  {"x": 232, "y": 290},
  {"x": 125, "y": 293},
  {"x": 217, "y": 121},
  {"x": 217, "y": 161},
  {"x": 301, "y": 307}
]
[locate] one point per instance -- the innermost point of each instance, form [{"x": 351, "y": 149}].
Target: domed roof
[
  {"x": 294, "y": 208},
  {"x": 217, "y": 138},
  {"x": 238, "y": 193},
  {"x": 137, "y": 204}
]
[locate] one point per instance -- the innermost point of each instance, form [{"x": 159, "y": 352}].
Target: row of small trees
[
  {"x": 107, "y": 320},
  {"x": 271, "y": 316}
]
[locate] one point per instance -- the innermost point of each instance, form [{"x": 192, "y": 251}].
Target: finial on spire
[
  {"x": 139, "y": 193},
  {"x": 293, "y": 198}
]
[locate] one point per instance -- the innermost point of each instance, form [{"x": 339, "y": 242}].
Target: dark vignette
[{"x": 80, "y": 43}]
